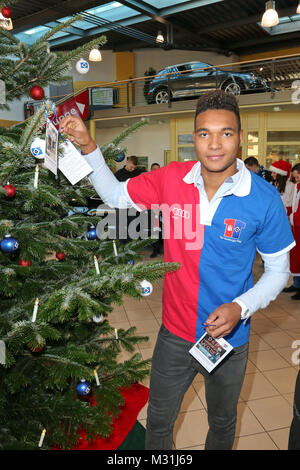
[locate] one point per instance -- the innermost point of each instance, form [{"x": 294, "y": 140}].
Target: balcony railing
[{"x": 260, "y": 76}]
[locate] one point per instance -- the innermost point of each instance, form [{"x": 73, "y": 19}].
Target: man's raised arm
[{"x": 111, "y": 191}]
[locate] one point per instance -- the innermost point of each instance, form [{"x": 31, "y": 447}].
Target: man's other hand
[{"x": 223, "y": 319}]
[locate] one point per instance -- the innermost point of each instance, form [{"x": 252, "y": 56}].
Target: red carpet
[{"x": 135, "y": 398}]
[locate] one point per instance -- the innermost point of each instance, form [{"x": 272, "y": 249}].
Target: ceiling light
[
  {"x": 95, "y": 55},
  {"x": 159, "y": 37},
  {"x": 298, "y": 9},
  {"x": 270, "y": 16}
]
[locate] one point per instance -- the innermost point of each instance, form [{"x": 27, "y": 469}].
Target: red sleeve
[
  {"x": 296, "y": 216},
  {"x": 147, "y": 189}
]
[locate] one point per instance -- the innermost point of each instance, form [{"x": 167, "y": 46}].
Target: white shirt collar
[{"x": 241, "y": 188}]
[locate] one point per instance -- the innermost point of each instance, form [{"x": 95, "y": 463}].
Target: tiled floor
[{"x": 265, "y": 405}]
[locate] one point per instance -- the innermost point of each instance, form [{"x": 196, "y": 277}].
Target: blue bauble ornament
[
  {"x": 9, "y": 244},
  {"x": 120, "y": 157},
  {"x": 92, "y": 233},
  {"x": 83, "y": 388},
  {"x": 130, "y": 261}
]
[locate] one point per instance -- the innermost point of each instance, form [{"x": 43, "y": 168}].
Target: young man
[
  {"x": 216, "y": 215},
  {"x": 253, "y": 165},
  {"x": 130, "y": 170}
]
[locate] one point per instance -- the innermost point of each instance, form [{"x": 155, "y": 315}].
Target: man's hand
[
  {"x": 224, "y": 319},
  {"x": 77, "y": 133}
]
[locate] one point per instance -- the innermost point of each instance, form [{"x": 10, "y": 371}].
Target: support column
[{"x": 93, "y": 129}]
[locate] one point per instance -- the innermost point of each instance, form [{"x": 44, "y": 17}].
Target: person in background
[
  {"x": 295, "y": 223},
  {"x": 157, "y": 223},
  {"x": 253, "y": 165},
  {"x": 281, "y": 172},
  {"x": 155, "y": 166},
  {"x": 129, "y": 170}
]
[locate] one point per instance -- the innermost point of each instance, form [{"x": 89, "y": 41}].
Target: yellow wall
[
  {"x": 270, "y": 54},
  {"x": 124, "y": 65},
  {"x": 82, "y": 85},
  {"x": 124, "y": 70},
  {"x": 7, "y": 123}
]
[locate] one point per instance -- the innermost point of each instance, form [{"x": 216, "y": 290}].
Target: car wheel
[
  {"x": 161, "y": 96},
  {"x": 233, "y": 87}
]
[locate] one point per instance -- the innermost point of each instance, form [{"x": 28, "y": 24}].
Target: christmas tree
[{"x": 58, "y": 281}]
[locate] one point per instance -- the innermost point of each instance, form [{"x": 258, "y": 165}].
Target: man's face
[
  {"x": 155, "y": 167},
  {"x": 130, "y": 166},
  {"x": 217, "y": 140},
  {"x": 253, "y": 168}
]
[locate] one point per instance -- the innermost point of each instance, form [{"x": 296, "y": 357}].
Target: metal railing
[
  {"x": 276, "y": 74},
  {"x": 280, "y": 73}
]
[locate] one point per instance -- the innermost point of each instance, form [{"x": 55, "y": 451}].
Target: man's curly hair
[{"x": 218, "y": 99}]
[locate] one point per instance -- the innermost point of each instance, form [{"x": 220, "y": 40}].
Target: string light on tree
[
  {"x": 36, "y": 177},
  {"x": 115, "y": 248},
  {"x": 35, "y": 310},
  {"x": 116, "y": 334},
  {"x": 96, "y": 265},
  {"x": 42, "y": 438},
  {"x": 97, "y": 378}
]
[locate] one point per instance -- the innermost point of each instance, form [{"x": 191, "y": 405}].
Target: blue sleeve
[{"x": 275, "y": 235}]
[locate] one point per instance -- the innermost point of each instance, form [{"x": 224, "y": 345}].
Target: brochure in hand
[{"x": 210, "y": 351}]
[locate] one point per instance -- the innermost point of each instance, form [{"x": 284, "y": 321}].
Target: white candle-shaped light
[
  {"x": 96, "y": 265},
  {"x": 42, "y": 437},
  {"x": 35, "y": 309},
  {"x": 36, "y": 177},
  {"x": 97, "y": 378},
  {"x": 115, "y": 248},
  {"x": 116, "y": 334}
]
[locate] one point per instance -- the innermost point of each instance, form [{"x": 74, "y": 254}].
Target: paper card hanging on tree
[
  {"x": 72, "y": 164},
  {"x": 51, "y": 147},
  {"x": 2, "y": 92}
]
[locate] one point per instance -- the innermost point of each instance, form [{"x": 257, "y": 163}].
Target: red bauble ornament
[
  {"x": 60, "y": 256},
  {"x": 38, "y": 349},
  {"x": 37, "y": 92},
  {"x": 10, "y": 190},
  {"x": 6, "y": 12},
  {"x": 24, "y": 263}
]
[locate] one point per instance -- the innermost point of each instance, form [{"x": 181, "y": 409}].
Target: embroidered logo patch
[{"x": 233, "y": 229}]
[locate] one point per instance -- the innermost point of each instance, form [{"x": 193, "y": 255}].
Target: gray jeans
[{"x": 173, "y": 370}]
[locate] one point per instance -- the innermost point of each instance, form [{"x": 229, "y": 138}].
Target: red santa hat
[{"x": 281, "y": 167}]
